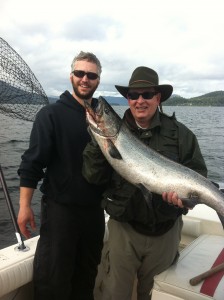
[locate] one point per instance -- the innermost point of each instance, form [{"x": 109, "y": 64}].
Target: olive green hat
[{"x": 143, "y": 77}]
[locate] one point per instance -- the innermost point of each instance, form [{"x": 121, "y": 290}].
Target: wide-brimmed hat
[{"x": 143, "y": 77}]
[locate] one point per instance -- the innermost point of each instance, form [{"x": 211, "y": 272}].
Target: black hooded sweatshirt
[{"x": 58, "y": 138}]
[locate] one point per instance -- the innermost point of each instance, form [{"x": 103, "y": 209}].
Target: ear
[
  {"x": 158, "y": 98},
  {"x": 71, "y": 75}
]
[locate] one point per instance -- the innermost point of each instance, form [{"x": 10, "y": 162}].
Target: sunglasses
[
  {"x": 145, "y": 95},
  {"x": 81, "y": 74}
]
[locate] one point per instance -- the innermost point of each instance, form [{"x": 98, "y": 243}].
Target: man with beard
[{"x": 72, "y": 220}]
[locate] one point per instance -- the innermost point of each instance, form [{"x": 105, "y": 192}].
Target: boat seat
[{"x": 201, "y": 255}]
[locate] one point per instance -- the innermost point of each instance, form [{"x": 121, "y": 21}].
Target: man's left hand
[{"x": 172, "y": 199}]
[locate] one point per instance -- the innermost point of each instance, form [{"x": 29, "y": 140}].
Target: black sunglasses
[
  {"x": 145, "y": 95},
  {"x": 81, "y": 74}
]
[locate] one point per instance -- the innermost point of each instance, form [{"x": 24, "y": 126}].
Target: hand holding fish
[
  {"x": 94, "y": 142},
  {"x": 172, "y": 199}
]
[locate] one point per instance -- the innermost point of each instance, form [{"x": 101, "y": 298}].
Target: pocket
[
  {"x": 170, "y": 146},
  {"x": 164, "y": 211},
  {"x": 116, "y": 206},
  {"x": 105, "y": 260},
  {"x": 44, "y": 209},
  {"x": 117, "y": 203}
]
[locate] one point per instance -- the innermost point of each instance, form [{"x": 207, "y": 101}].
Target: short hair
[{"x": 88, "y": 56}]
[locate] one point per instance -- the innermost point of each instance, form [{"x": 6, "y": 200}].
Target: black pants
[{"x": 68, "y": 251}]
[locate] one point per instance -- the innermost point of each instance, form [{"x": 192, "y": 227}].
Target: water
[{"x": 206, "y": 122}]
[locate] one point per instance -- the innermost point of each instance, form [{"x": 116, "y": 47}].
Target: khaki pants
[{"x": 128, "y": 254}]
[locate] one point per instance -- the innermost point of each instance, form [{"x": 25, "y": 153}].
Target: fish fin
[
  {"x": 215, "y": 184},
  {"x": 190, "y": 202},
  {"x": 221, "y": 218},
  {"x": 113, "y": 151},
  {"x": 146, "y": 194}
]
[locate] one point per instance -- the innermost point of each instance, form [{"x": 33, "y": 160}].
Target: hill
[
  {"x": 10, "y": 95},
  {"x": 210, "y": 99}
]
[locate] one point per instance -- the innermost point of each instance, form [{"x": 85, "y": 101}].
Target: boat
[
  {"x": 202, "y": 241},
  {"x": 201, "y": 247}
]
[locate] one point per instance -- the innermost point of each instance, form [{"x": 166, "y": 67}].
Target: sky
[{"x": 182, "y": 40}]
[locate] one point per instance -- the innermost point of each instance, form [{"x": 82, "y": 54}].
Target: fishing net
[{"x": 21, "y": 94}]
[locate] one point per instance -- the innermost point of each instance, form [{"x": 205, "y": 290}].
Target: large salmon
[{"x": 146, "y": 168}]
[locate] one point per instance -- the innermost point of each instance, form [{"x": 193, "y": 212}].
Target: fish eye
[{"x": 106, "y": 110}]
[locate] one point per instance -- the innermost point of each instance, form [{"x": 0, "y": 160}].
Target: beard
[{"x": 84, "y": 96}]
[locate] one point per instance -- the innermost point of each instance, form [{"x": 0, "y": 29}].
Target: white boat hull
[{"x": 16, "y": 271}]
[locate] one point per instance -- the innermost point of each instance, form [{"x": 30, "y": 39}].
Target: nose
[
  {"x": 140, "y": 99},
  {"x": 85, "y": 77}
]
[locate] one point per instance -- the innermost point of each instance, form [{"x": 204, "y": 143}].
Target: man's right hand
[
  {"x": 26, "y": 221},
  {"x": 26, "y": 216}
]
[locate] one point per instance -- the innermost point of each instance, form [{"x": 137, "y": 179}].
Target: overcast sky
[{"x": 181, "y": 39}]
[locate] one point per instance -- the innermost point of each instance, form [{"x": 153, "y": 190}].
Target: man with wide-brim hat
[
  {"x": 145, "y": 95},
  {"x": 144, "y": 230},
  {"x": 144, "y": 77}
]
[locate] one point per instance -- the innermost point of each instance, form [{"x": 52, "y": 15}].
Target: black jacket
[{"x": 57, "y": 140}]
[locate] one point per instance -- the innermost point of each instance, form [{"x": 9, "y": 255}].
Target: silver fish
[{"x": 146, "y": 168}]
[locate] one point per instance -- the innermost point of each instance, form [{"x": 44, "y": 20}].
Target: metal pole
[{"x": 21, "y": 245}]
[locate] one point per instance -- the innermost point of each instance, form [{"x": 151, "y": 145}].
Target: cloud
[{"x": 181, "y": 40}]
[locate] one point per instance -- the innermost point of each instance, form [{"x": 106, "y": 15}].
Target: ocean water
[{"x": 206, "y": 122}]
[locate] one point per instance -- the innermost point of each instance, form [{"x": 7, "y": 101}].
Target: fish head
[{"x": 103, "y": 120}]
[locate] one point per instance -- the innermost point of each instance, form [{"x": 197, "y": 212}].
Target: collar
[
  {"x": 70, "y": 101},
  {"x": 128, "y": 117}
]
